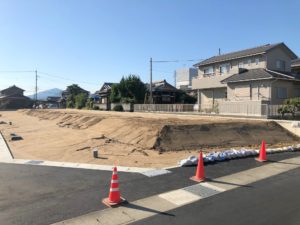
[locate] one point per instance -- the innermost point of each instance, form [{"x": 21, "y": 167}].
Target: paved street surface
[
  {"x": 43, "y": 195},
  {"x": 271, "y": 201}
]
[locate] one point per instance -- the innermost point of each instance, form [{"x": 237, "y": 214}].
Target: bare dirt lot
[{"x": 131, "y": 139}]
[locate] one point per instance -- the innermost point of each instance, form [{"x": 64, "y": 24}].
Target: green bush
[
  {"x": 291, "y": 105},
  {"x": 80, "y": 100},
  {"x": 95, "y": 107},
  {"x": 118, "y": 108},
  {"x": 184, "y": 98}
]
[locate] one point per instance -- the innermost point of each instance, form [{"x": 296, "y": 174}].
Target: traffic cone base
[
  {"x": 194, "y": 178},
  {"x": 110, "y": 204},
  {"x": 261, "y": 160}
]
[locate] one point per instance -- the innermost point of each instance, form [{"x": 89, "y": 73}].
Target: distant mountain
[{"x": 43, "y": 95}]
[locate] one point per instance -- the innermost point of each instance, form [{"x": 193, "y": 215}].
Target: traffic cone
[
  {"x": 114, "y": 198},
  {"x": 199, "y": 177},
  {"x": 262, "y": 153}
]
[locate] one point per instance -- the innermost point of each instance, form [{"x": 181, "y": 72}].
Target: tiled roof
[
  {"x": 240, "y": 54},
  {"x": 161, "y": 85},
  {"x": 257, "y": 74},
  {"x": 13, "y": 87},
  {"x": 295, "y": 62},
  {"x": 106, "y": 87}
]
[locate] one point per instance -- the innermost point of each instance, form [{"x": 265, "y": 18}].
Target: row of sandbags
[{"x": 232, "y": 154}]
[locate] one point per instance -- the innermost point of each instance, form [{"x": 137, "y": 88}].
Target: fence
[
  {"x": 236, "y": 108},
  {"x": 164, "y": 107},
  {"x": 245, "y": 108},
  {"x": 271, "y": 111}
]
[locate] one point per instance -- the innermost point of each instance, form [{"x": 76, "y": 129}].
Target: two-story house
[
  {"x": 261, "y": 73},
  {"x": 13, "y": 98}
]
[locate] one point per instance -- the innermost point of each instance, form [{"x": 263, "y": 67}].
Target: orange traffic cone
[
  {"x": 199, "y": 177},
  {"x": 114, "y": 197},
  {"x": 262, "y": 153}
]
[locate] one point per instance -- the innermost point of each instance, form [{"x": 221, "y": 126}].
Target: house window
[
  {"x": 224, "y": 68},
  {"x": 282, "y": 92},
  {"x": 241, "y": 65},
  {"x": 256, "y": 61},
  {"x": 280, "y": 65},
  {"x": 208, "y": 70},
  {"x": 249, "y": 62}
]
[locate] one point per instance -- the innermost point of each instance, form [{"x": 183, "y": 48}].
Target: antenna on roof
[{"x": 219, "y": 51}]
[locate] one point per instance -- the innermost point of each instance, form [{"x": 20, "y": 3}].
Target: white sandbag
[{"x": 232, "y": 154}]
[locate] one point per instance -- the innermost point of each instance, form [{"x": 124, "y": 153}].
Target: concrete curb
[
  {"x": 5, "y": 153},
  {"x": 149, "y": 172}
]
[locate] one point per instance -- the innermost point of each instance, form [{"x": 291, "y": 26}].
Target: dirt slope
[
  {"x": 173, "y": 134},
  {"x": 131, "y": 139},
  {"x": 219, "y": 135}
]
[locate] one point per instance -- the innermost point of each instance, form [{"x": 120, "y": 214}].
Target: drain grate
[
  {"x": 34, "y": 162},
  {"x": 153, "y": 173},
  {"x": 200, "y": 190}
]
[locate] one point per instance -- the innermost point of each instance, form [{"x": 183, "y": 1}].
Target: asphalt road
[
  {"x": 275, "y": 201},
  {"x": 39, "y": 195}
]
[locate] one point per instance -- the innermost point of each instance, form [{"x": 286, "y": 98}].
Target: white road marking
[
  {"x": 179, "y": 197},
  {"x": 211, "y": 186}
]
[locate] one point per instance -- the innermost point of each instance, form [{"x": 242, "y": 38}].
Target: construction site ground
[{"x": 131, "y": 139}]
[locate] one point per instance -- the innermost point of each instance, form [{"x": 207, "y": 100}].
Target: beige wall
[
  {"x": 275, "y": 54},
  {"x": 291, "y": 90},
  {"x": 209, "y": 82},
  {"x": 261, "y": 90},
  {"x": 208, "y": 97},
  {"x": 255, "y": 90}
]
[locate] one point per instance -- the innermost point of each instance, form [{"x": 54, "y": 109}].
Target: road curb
[{"x": 5, "y": 152}]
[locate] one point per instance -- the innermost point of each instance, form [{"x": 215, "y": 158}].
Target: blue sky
[{"x": 92, "y": 41}]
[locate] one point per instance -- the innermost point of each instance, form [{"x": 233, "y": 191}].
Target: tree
[
  {"x": 80, "y": 100},
  {"x": 184, "y": 98},
  {"x": 76, "y": 96},
  {"x": 130, "y": 90}
]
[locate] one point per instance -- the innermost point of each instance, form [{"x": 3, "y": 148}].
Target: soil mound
[
  {"x": 171, "y": 134},
  {"x": 220, "y": 135},
  {"x": 66, "y": 119}
]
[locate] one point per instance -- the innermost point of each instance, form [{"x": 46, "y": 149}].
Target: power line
[
  {"x": 63, "y": 78},
  {"x": 161, "y": 71},
  {"x": 176, "y": 61},
  {"x": 17, "y": 71}
]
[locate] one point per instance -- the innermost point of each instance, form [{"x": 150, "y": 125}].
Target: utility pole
[
  {"x": 175, "y": 79},
  {"x": 151, "y": 97},
  {"x": 36, "y": 88}
]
